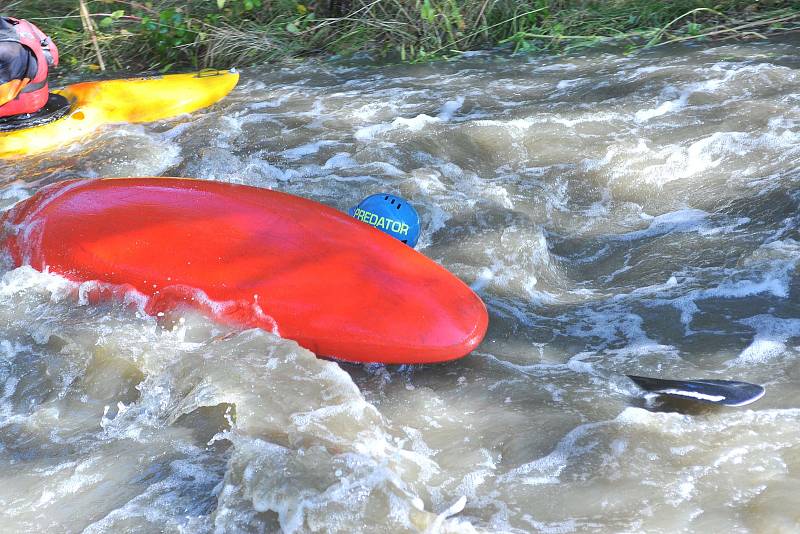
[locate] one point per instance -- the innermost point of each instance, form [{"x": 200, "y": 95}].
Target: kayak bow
[{"x": 94, "y": 104}]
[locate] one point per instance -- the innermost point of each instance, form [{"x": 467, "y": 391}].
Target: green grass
[{"x": 167, "y": 34}]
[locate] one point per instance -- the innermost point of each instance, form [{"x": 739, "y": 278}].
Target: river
[{"x": 617, "y": 213}]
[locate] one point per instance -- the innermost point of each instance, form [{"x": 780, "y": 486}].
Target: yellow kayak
[{"x": 93, "y": 104}]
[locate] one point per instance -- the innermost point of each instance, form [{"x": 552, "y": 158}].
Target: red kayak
[{"x": 251, "y": 257}]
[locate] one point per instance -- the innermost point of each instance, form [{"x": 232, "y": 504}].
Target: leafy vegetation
[{"x": 165, "y": 34}]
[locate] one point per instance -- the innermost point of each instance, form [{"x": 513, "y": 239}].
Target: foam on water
[{"x": 618, "y": 214}]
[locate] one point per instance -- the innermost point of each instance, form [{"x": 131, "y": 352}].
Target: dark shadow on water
[{"x": 664, "y": 404}]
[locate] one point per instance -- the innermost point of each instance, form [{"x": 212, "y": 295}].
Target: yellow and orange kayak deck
[{"x": 94, "y": 104}]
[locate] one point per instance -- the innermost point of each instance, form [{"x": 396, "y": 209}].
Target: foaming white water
[
  {"x": 618, "y": 215},
  {"x": 180, "y": 414}
]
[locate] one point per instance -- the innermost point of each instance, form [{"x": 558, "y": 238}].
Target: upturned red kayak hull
[{"x": 251, "y": 257}]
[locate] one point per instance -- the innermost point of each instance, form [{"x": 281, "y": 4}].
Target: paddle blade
[{"x": 724, "y": 392}]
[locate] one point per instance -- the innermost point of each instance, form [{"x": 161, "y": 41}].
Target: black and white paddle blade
[{"x": 724, "y": 392}]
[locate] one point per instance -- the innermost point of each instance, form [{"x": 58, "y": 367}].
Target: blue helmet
[{"x": 391, "y": 214}]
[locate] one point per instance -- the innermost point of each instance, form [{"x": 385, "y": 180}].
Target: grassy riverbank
[{"x": 168, "y": 34}]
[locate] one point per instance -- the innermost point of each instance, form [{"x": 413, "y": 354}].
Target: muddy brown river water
[{"x": 618, "y": 214}]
